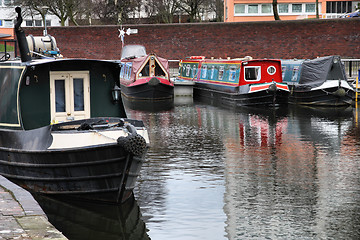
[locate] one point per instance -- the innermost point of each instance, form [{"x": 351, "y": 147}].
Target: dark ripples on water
[{"x": 289, "y": 173}]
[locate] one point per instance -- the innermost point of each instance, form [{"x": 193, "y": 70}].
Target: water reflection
[
  {"x": 283, "y": 173},
  {"x": 83, "y": 220},
  {"x": 149, "y": 106}
]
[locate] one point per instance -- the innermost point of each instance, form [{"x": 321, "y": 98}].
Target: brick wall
[{"x": 275, "y": 39}]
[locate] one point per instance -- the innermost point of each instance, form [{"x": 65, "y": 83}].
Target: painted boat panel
[
  {"x": 237, "y": 81},
  {"x": 146, "y": 78}
]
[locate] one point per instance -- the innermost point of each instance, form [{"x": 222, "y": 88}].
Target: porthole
[{"x": 271, "y": 70}]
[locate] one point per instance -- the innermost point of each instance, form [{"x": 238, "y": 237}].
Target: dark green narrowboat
[{"x": 63, "y": 127}]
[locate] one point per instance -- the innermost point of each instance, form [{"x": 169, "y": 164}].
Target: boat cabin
[
  {"x": 47, "y": 91},
  {"x": 233, "y": 72}
]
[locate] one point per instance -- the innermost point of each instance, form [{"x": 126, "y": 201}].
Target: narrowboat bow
[
  {"x": 63, "y": 127},
  {"x": 144, "y": 77},
  {"x": 235, "y": 82}
]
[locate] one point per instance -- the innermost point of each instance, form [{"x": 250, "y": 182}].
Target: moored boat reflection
[
  {"x": 93, "y": 221},
  {"x": 251, "y": 173},
  {"x": 149, "y": 106}
]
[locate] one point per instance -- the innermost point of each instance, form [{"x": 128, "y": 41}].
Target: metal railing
[
  {"x": 352, "y": 67},
  {"x": 174, "y": 68}
]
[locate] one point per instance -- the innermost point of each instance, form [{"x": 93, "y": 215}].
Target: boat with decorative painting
[
  {"x": 317, "y": 82},
  {"x": 144, "y": 77},
  {"x": 63, "y": 127},
  {"x": 235, "y": 82}
]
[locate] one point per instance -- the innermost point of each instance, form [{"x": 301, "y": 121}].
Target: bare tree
[
  {"x": 217, "y": 6},
  {"x": 192, "y": 8},
  {"x": 164, "y": 10},
  {"x": 63, "y": 9},
  {"x": 114, "y": 11}
]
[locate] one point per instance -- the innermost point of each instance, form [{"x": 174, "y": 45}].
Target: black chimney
[{"x": 20, "y": 35}]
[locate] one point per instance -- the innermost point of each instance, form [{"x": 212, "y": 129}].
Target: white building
[{"x": 8, "y": 15}]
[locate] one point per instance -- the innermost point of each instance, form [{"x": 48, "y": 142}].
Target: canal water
[{"x": 214, "y": 173}]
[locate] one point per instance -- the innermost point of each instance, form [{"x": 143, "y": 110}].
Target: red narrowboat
[
  {"x": 236, "y": 82},
  {"x": 144, "y": 77}
]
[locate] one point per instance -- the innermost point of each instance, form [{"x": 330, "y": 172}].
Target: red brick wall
[{"x": 276, "y": 39}]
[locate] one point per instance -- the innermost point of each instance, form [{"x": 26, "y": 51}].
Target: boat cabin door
[{"x": 69, "y": 96}]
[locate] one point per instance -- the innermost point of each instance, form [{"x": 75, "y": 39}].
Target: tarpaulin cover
[{"x": 316, "y": 71}]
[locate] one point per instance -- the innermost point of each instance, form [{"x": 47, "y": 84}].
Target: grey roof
[{"x": 2, "y": 35}]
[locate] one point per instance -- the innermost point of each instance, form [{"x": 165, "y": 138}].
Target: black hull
[
  {"x": 233, "y": 100},
  {"x": 105, "y": 174},
  {"x": 101, "y": 172},
  {"x": 321, "y": 97},
  {"x": 148, "y": 92}
]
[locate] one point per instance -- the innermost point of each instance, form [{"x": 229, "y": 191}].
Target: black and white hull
[
  {"x": 88, "y": 159},
  {"x": 330, "y": 93}
]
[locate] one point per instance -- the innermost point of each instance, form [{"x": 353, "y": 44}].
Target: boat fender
[
  {"x": 340, "y": 92},
  {"x": 272, "y": 88},
  {"x": 133, "y": 143},
  {"x": 130, "y": 128},
  {"x": 154, "y": 81}
]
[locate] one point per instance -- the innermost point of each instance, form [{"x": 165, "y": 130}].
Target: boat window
[
  {"x": 295, "y": 73},
  {"x": 271, "y": 70},
  {"x": 60, "y": 95},
  {"x": 78, "y": 94},
  {"x": 221, "y": 73},
  {"x": 158, "y": 70},
  {"x": 252, "y": 73},
  {"x": 203, "y": 71},
  {"x": 122, "y": 70},
  {"x": 283, "y": 71},
  {"x": 188, "y": 70},
  {"x": 212, "y": 72},
  {"x": 145, "y": 71},
  {"x": 232, "y": 74},
  {"x": 128, "y": 73},
  {"x": 193, "y": 71}
]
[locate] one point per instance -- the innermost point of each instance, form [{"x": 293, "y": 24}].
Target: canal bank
[{"x": 21, "y": 217}]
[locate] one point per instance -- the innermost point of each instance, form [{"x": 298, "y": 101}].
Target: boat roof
[
  {"x": 133, "y": 51},
  {"x": 41, "y": 61}
]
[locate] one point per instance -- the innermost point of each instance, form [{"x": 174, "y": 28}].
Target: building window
[
  {"x": 8, "y": 23},
  {"x": 310, "y": 7},
  {"x": 253, "y": 8},
  {"x": 338, "y": 6},
  {"x": 283, "y": 8},
  {"x": 296, "y": 8},
  {"x": 239, "y": 8},
  {"x": 252, "y": 73},
  {"x": 7, "y": 2},
  {"x": 29, "y": 23},
  {"x": 38, "y": 23},
  {"x": 266, "y": 8}
]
